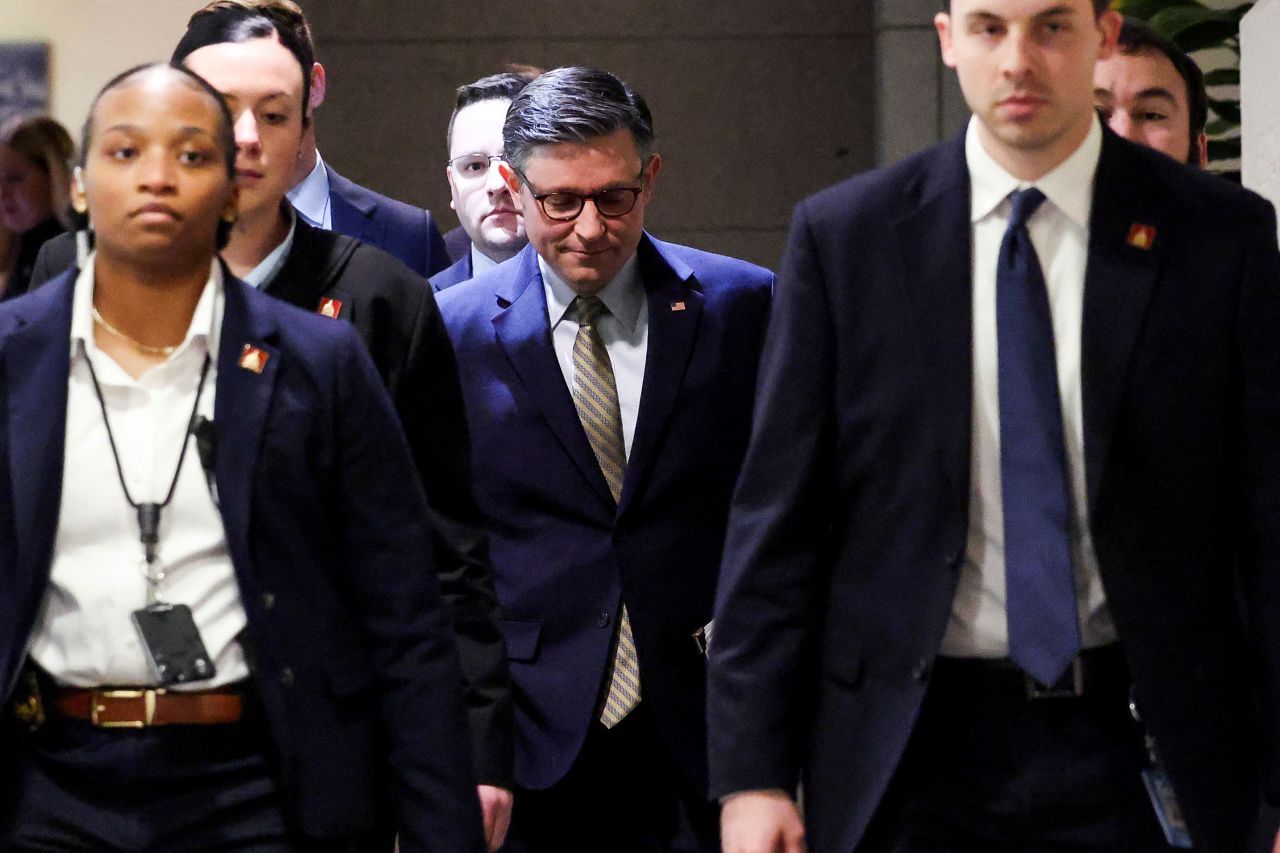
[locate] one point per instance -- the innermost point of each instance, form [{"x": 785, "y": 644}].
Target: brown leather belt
[{"x": 140, "y": 708}]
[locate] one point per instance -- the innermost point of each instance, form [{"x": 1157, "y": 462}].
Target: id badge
[
  {"x": 1166, "y": 807},
  {"x": 174, "y": 649}
]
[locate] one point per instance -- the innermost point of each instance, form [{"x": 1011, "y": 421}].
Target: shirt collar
[
  {"x": 480, "y": 261},
  {"x": 311, "y": 195},
  {"x": 623, "y": 295},
  {"x": 1069, "y": 186},
  {"x": 203, "y": 331},
  {"x": 269, "y": 267}
]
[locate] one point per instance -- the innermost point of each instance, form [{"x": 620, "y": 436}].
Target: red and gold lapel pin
[
  {"x": 330, "y": 308},
  {"x": 678, "y": 306},
  {"x": 1141, "y": 236},
  {"x": 253, "y": 359}
]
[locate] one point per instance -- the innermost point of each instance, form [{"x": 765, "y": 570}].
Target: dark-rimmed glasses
[
  {"x": 473, "y": 167},
  {"x": 564, "y": 206}
]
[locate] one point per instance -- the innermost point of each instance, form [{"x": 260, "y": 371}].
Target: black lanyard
[{"x": 148, "y": 513}]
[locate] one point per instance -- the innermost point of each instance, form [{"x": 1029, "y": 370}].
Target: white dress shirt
[
  {"x": 269, "y": 267},
  {"x": 84, "y": 636},
  {"x": 310, "y": 196},
  {"x": 1059, "y": 231},
  {"x": 623, "y": 327},
  {"x": 480, "y": 262}
]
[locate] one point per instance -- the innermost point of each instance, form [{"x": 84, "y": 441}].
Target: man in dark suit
[
  {"x": 489, "y": 217},
  {"x": 609, "y": 380},
  {"x": 325, "y": 198},
  {"x": 1014, "y": 465}
]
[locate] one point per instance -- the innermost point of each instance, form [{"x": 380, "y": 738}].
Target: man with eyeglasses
[
  {"x": 609, "y": 379},
  {"x": 489, "y": 217}
]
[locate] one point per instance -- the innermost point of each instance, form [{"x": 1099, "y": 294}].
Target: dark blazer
[
  {"x": 396, "y": 316},
  {"x": 399, "y": 229},
  {"x": 325, "y": 524},
  {"x": 456, "y": 274},
  {"x": 457, "y": 242},
  {"x": 850, "y": 519},
  {"x": 563, "y": 559}
]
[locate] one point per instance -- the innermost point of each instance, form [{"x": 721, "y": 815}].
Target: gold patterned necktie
[{"x": 595, "y": 395}]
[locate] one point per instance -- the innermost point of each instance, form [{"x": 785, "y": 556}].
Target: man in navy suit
[
  {"x": 327, "y": 199},
  {"x": 1015, "y": 465},
  {"x": 609, "y": 380},
  {"x": 492, "y": 224}
]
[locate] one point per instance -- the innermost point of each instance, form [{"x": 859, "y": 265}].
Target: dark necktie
[
  {"x": 1044, "y": 633},
  {"x": 595, "y": 395}
]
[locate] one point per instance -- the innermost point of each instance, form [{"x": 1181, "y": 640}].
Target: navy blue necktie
[{"x": 1044, "y": 633}]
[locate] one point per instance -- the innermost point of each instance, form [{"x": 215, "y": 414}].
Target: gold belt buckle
[{"x": 148, "y": 698}]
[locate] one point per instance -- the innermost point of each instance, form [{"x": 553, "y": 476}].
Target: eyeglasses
[
  {"x": 473, "y": 167},
  {"x": 564, "y": 206}
]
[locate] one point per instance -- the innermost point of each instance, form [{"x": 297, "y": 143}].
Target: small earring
[
  {"x": 230, "y": 218},
  {"x": 79, "y": 205}
]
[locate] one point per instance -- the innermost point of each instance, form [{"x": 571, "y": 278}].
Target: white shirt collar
[
  {"x": 480, "y": 261},
  {"x": 203, "y": 331},
  {"x": 311, "y": 195},
  {"x": 623, "y": 295},
  {"x": 1069, "y": 186},
  {"x": 269, "y": 267}
]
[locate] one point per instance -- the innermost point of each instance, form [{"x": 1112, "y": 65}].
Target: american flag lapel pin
[
  {"x": 253, "y": 359},
  {"x": 678, "y": 305},
  {"x": 331, "y": 308},
  {"x": 1141, "y": 236}
]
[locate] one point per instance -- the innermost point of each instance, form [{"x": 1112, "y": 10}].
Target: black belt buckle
[{"x": 1070, "y": 686}]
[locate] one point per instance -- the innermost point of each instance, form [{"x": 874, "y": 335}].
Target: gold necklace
[{"x": 145, "y": 349}]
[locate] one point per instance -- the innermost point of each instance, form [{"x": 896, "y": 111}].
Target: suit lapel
[
  {"x": 1119, "y": 281},
  {"x": 675, "y": 311},
  {"x": 523, "y": 330},
  {"x": 308, "y": 271},
  {"x": 933, "y": 251},
  {"x": 240, "y": 410},
  {"x": 352, "y": 215},
  {"x": 37, "y": 361}
]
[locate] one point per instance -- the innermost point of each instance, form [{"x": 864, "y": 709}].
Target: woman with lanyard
[{"x": 216, "y": 631}]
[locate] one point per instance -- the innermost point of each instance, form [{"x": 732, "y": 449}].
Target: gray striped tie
[{"x": 595, "y": 394}]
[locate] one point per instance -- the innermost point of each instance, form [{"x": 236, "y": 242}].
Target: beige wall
[{"x": 91, "y": 41}]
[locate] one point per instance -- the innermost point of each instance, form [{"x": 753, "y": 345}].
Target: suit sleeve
[
  {"x": 1259, "y": 358},
  {"x": 434, "y": 417},
  {"x": 437, "y": 252},
  {"x": 385, "y": 530},
  {"x": 761, "y": 657}
]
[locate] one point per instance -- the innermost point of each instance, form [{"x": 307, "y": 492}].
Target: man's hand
[
  {"x": 496, "y": 805},
  {"x": 762, "y": 822}
]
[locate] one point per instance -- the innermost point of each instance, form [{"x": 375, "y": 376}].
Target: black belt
[{"x": 1100, "y": 670}]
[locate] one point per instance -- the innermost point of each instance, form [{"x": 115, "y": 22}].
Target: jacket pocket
[{"x": 522, "y": 639}]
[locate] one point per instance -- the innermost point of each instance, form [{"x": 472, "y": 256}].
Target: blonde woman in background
[{"x": 35, "y": 174}]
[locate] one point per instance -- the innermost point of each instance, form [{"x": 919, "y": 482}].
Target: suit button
[
  {"x": 920, "y": 672},
  {"x": 286, "y": 677},
  {"x": 604, "y": 619},
  {"x": 268, "y": 600}
]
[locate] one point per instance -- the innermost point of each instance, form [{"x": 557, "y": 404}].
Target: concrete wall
[
  {"x": 756, "y": 103},
  {"x": 918, "y": 99},
  {"x": 91, "y": 41},
  {"x": 1260, "y": 110}
]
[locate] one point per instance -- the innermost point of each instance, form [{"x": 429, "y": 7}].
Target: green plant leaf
[
  {"x": 1208, "y": 34},
  {"x": 1223, "y": 77},
  {"x": 1227, "y": 110},
  {"x": 1224, "y": 149},
  {"x": 1172, "y": 20},
  {"x": 1145, "y": 9},
  {"x": 1217, "y": 127}
]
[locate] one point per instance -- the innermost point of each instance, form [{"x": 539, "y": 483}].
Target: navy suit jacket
[
  {"x": 407, "y": 232},
  {"x": 850, "y": 520},
  {"x": 564, "y": 556},
  {"x": 456, "y": 274},
  {"x": 327, "y": 528}
]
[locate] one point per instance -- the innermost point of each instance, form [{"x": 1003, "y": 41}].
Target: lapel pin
[
  {"x": 253, "y": 359},
  {"x": 1141, "y": 236},
  {"x": 330, "y": 308},
  {"x": 677, "y": 306}
]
